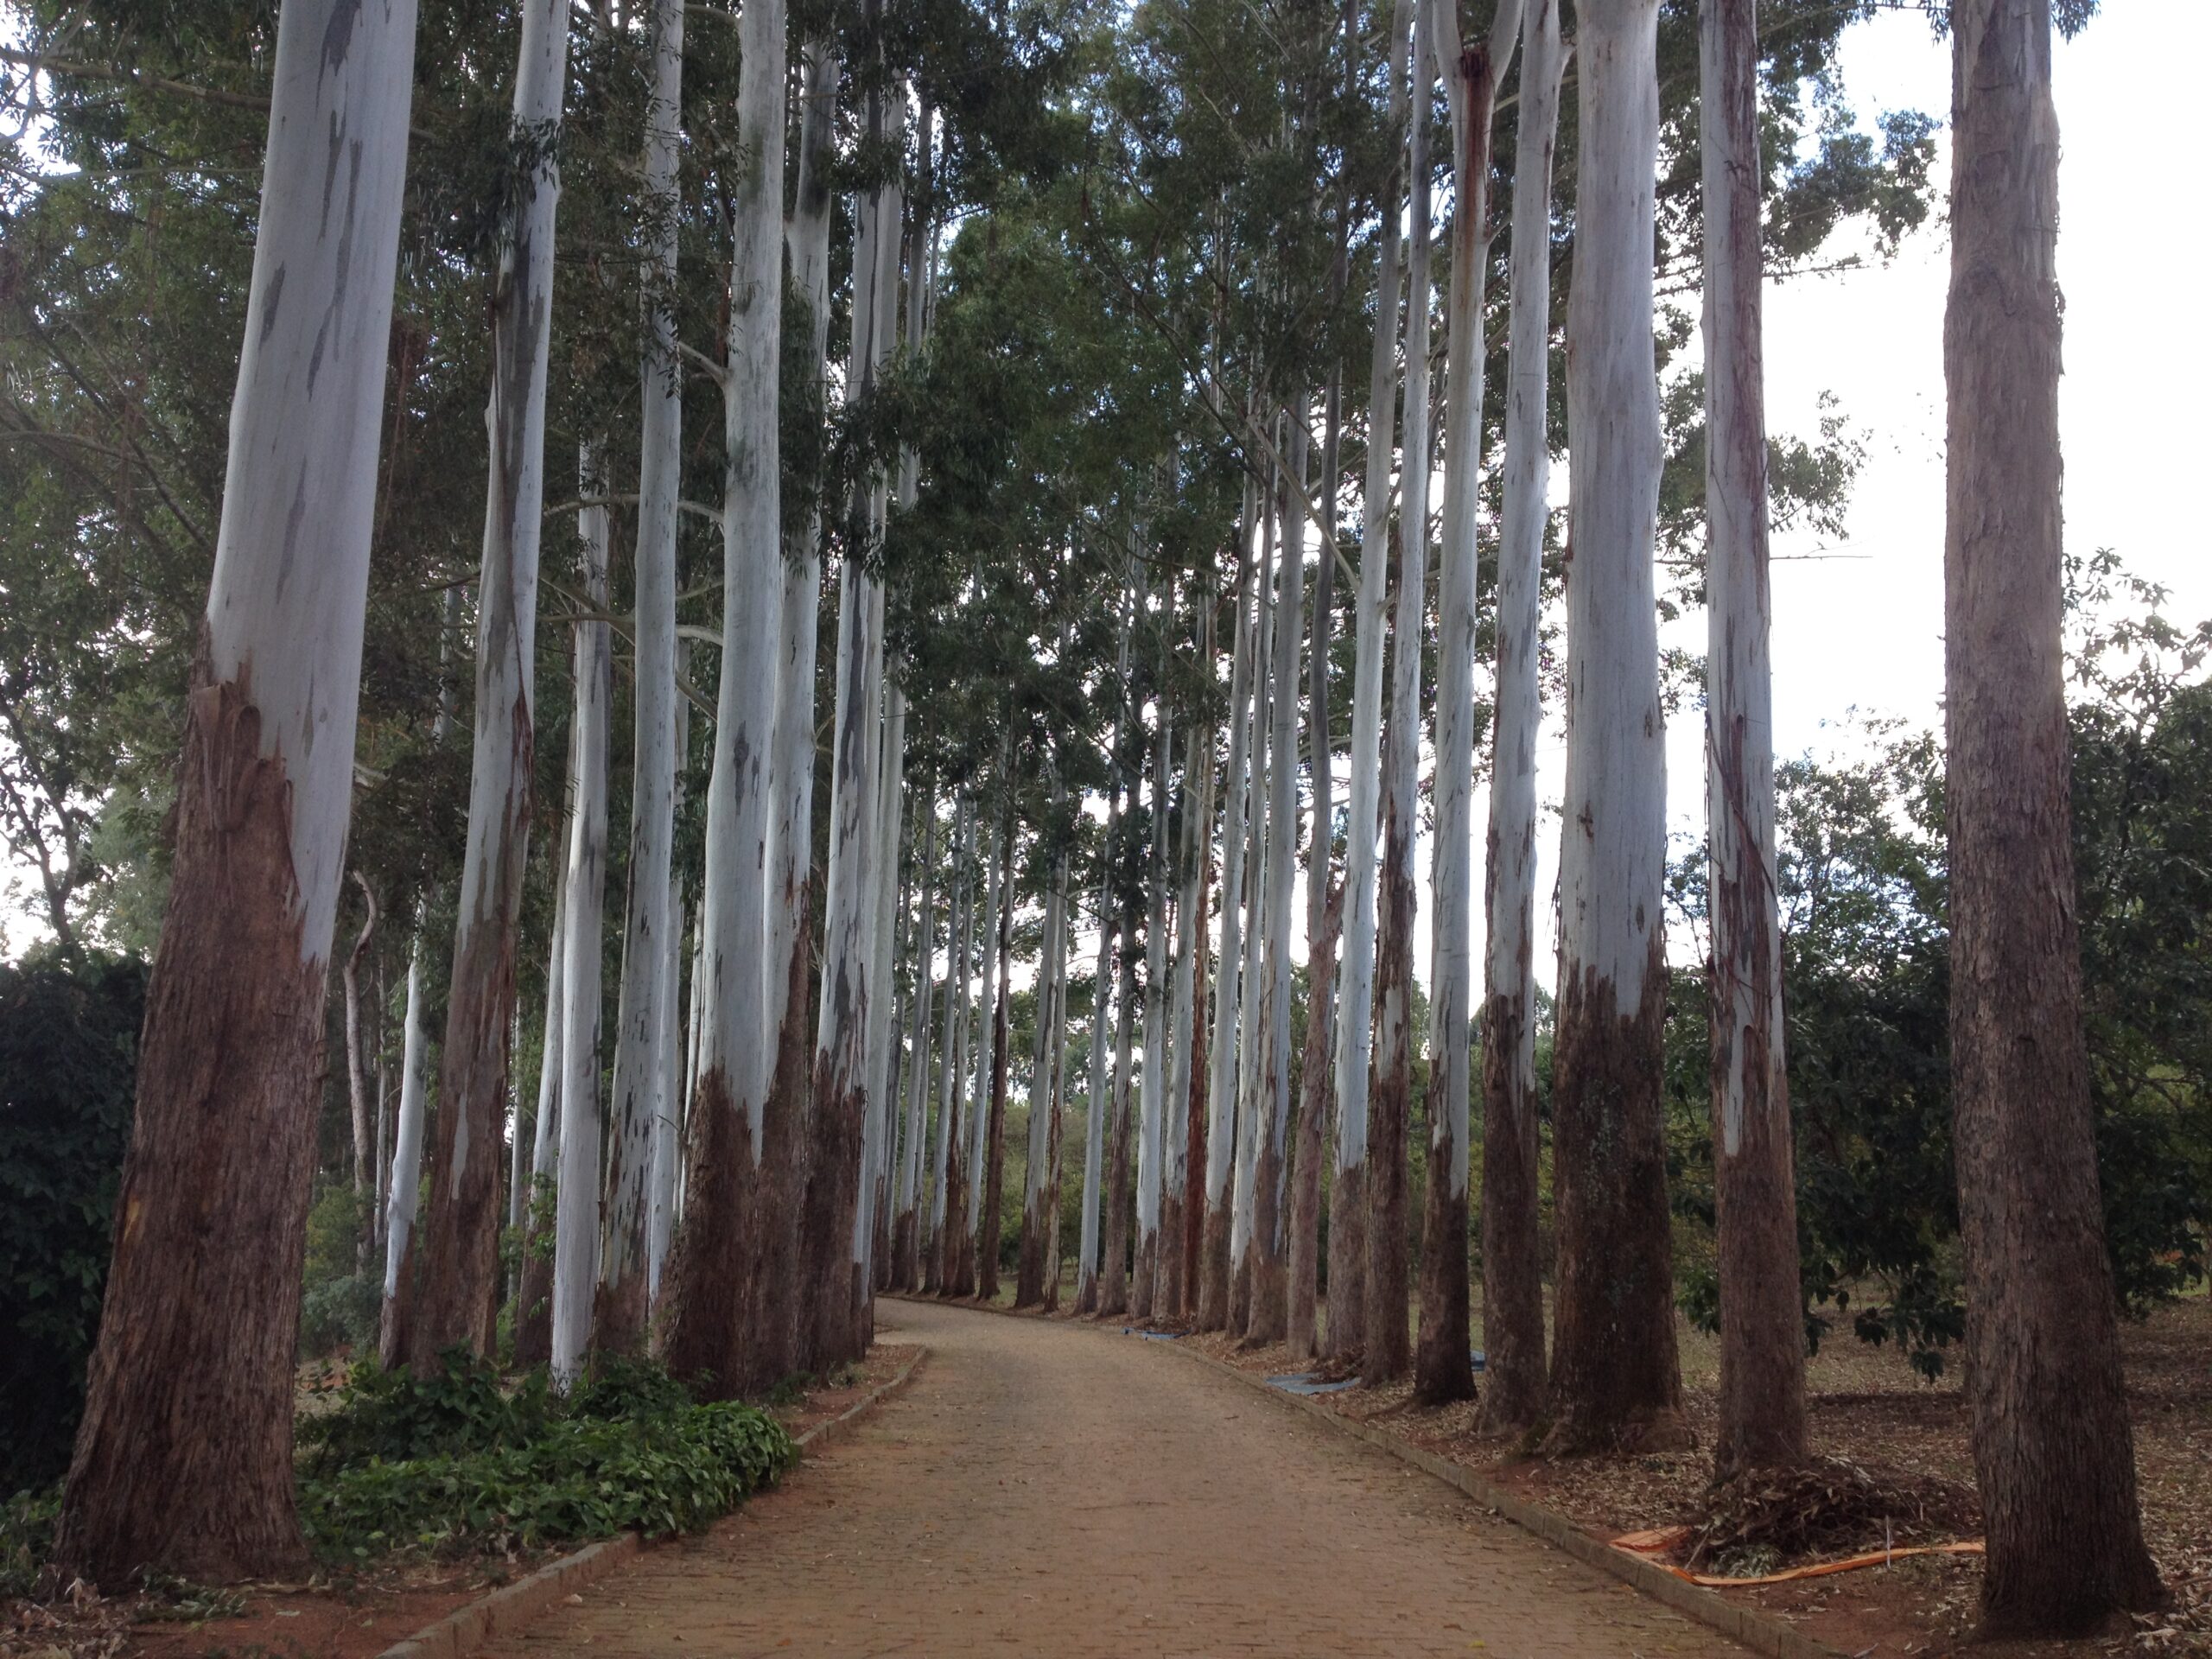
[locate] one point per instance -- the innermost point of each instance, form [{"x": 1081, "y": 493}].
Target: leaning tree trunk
[
  {"x": 183, "y": 1459},
  {"x": 2053, "y": 1454},
  {"x": 713, "y": 1321},
  {"x": 1386, "y": 1348},
  {"x": 1614, "y": 1381},
  {"x": 576, "y": 1233},
  {"x": 1269, "y": 1252},
  {"x": 1442, "y": 1369},
  {"x": 460, "y": 1231},
  {"x": 641, "y": 1060},
  {"x": 1513, "y": 1292},
  {"x": 1762, "y": 1338},
  {"x": 1221, "y": 1089}
]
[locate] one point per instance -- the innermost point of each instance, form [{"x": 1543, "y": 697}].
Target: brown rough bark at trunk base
[
  {"x": 2054, "y": 1456},
  {"x": 183, "y": 1460},
  {"x": 1268, "y": 1306},
  {"x": 1442, "y": 1369},
  {"x": 991, "y": 1220},
  {"x": 905, "y": 1253},
  {"x": 534, "y": 1303},
  {"x": 705, "y": 1310},
  {"x": 956, "y": 1209},
  {"x": 457, "y": 1301},
  {"x": 398, "y": 1313},
  {"x": 829, "y": 1283},
  {"x": 1213, "y": 1264},
  {"x": 1344, "y": 1332},
  {"x": 1615, "y": 1385},
  {"x": 1315, "y": 1112},
  {"x": 775, "y": 1296},
  {"x": 1513, "y": 1286},
  {"x": 1051, "y": 1296},
  {"x": 1387, "y": 1347}
]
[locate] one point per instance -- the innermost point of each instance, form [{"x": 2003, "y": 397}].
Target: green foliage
[
  {"x": 27, "y": 1523},
  {"x": 455, "y": 1462},
  {"x": 69, "y": 1067},
  {"x": 341, "y": 1299}
]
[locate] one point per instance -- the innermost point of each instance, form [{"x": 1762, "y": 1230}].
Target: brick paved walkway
[{"x": 1042, "y": 1491}]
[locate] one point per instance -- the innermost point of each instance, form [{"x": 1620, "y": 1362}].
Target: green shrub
[
  {"x": 669, "y": 1472},
  {"x": 68, "y": 1074},
  {"x": 396, "y": 1417},
  {"x": 341, "y": 1313},
  {"x": 26, "y": 1538}
]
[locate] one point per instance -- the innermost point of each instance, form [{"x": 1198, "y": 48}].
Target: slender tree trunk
[
  {"x": 1196, "y": 1070},
  {"x": 1270, "y": 1310},
  {"x": 1251, "y": 978},
  {"x": 944, "y": 1153},
  {"x": 1762, "y": 1338},
  {"x": 1177, "y": 1266},
  {"x": 534, "y": 1292},
  {"x": 673, "y": 1073},
  {"x": 461, "y": 1232},
  {"x": 575, "y": 1238},
  {"x": 905, "y": 1231},
  {"x": 183, "y": 1459},
  {"x": 357, "y": 1076},
  {"x": 975, "y": 1147},
  {"x": 1614, "y": 1381},
  {"x": 1302, "y": 1332},
  {"x": 1153, "y": 1101},
  {"x": 991, "y": 1220},
  {"x": 406, "y": 1169},
  {"x": 2054, "y": 1456},
  {"x": 641, "y": 1059},
  {"x": 1387, "y": 1349},
  {"x": 1040, "y": 1248},
  {"x": 1513, "y": 1293},
  {"x": 1114, "y": 1281},
  {"x": 1093, "y": 1110},
  {"x": 718, "y": 1319},
  {"x": 1442, "y": 1370},
  {"x": 871, "y": 1232}
]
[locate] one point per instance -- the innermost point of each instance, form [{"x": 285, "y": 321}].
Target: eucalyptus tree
[
  {"x": 461, "y": 1232},
  {"x": 906, "y": 1204},
  {"x": 1178, "y": 1262},
  {"x": 643, "y": 1061},
  {"x": 1386, "y": 1347},
  {"x": 2054, "y": 1458},
  {"x": 576, "y": 1225},
  {"x": 1251, "y": 976},
  {"x": 1614, "y": 1380},
  {"x": 1040, "y": 1260},
  {"x": 1513, "y": 1297},
  {"x": 715, "y": 1307},
  {"x": 199, "y": 1315},
  {"x": 949, "y": 1204},
  {"x": 533, "y": 1313},
  {"x": 980, "y": 1117},
  {"x": 1153, "y": 1098},
  {"x": 1442, "y": 1368}
]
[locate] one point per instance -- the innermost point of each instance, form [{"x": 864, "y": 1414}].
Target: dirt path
[{"x": 1043, "y": 1490}]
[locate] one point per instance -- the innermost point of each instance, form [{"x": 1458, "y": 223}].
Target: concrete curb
[
  {"x": 512, "y": 1606},
  {"x": 1761, "y": 1632}
]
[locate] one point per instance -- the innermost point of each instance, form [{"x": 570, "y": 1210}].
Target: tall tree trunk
[
  {"x": 357, "y": 1075},
  {"x": 1270, "y": 1310},
  {"x": 843, "y": 1087},
  {"x": 533, "y": 1316},
  {"x": 1153, "y": 1101},
  {"x": 990, "y": 1221},
  {"x": 2054, "y": 1456},
  {"x": 1197, "y": 1069},
  {"x": 1386, "y": 1350},
  {"x": 1039, "y": 1255},
  {"x": 943, "y": 1208},
  {"x": 1251, "y": 978},
  {"x": 718, "y": 1319},
  {"x": 1114, "y": 1279},
  {"x": 1355, "y": 1032},
  {"x": 974, "y": 1147},
  {"x": 1442, "y": 1371},
  {"x": 641, "y": 1060},
  {"x": 406, "y": 1168},
  {"x": 1763, "y": 1337},
  {"x": 1302, "y": 1332},
  {"x": 1614, "y": 1381},
  {"x": 460, "y": 1230},
  {"x": 871, "y": 1233},
  {"x": 575, "y": 1236},
  {"x": 1222, "y": 1084},
  {"x": 183, "y": 1459},
  {"x": 1513, "y": 1292},
  {"x": 672, "y": 1072},
  {"x": 1094, "y": 1111},
  {"x": 790, "y": 939},
  {"x": 905, "y": 1230},
  {"x": 1177, "y": 1267}
]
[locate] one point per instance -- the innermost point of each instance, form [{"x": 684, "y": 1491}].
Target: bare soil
[{"x": 1869, "y": 1407}]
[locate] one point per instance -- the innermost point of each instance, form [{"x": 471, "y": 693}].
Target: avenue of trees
[{"x": 785, "y": 587}]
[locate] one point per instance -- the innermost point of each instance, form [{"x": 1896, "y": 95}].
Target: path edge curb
[
  {"x": 1761, "y": 1632},
  {"x": 470, "y": 1626}
]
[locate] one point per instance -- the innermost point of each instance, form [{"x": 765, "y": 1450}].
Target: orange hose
[{"x": 1643, "y": 1544}]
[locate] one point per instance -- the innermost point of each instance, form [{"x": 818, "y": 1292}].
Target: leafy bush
[
  {"x": 461, "y": 1458},
  {"x": 341, "y": 1298},
  {"x": 26, "y": 1538},
  {"x": 68, "y": 1074},
  {"x": 668, "y": 1471}
]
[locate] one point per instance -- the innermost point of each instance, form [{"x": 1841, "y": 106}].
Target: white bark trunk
[
  {"x": 956, "y": 1000},
  {"x": 1189, "y": 926},
  {"x": 977, "y": 1146},
  {"x": 671, "y": 1068},
  {"x": 1152, "y": 1099},
  {"x": 1250, "y": 1031},
  {"x": 642, "y": 1060},
  {"x": 1093, "y": 1110},
  {"x": 576, "y": 1236},
  {"x": 1284, "y": 679},
  {"x": 911, "y": 1169},
  {"x": 1221, "y": 1085},
  {"x": 546, "y": 1136}
]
